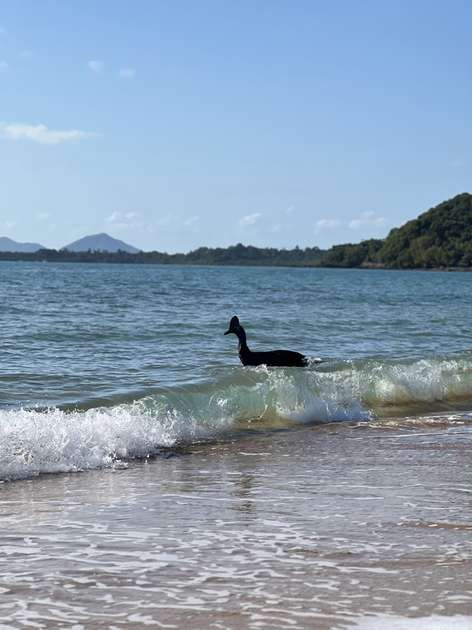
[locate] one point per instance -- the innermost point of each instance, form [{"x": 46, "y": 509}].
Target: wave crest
[{"x": 56, "y": 440}]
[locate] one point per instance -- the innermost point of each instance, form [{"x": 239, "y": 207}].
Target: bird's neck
[{"x": 241, "y": 334}]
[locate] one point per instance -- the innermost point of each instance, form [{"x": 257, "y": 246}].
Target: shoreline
[
  {"x": 228, "y": 534},
  {"x": 100, "y": 261}
]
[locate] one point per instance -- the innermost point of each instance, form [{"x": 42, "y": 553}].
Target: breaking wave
[{"x": 34, "y": 441}]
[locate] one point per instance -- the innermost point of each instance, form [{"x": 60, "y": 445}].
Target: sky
[{"x": 173, "y": 124}]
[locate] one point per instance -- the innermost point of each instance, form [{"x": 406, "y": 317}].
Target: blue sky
[{"x": 177, "y": 124}]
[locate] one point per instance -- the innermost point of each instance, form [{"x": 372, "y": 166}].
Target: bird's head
[{"x": 234, "y": 326}]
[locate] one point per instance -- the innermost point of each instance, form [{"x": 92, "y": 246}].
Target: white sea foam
[
  {"x": 435, "y": 622},
  {"x": 34, "y": 442},
  {"x": 382, "y": 383}
]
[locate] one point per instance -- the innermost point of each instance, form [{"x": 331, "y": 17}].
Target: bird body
[{"x": 276, "y": 358}]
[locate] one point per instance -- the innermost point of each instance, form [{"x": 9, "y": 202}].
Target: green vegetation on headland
[{"x": 438, "y": 238}]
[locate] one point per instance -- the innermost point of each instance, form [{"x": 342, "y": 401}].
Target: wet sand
[{"x": 317, "y": 527}]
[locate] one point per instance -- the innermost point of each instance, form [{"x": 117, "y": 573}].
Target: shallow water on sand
[{"x": 318, "y": 527}]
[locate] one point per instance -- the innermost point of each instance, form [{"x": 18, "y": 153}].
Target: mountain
[
  {"x": 439, "y": 237},
  {"x": 100, "y": 242},
  {"x": 9, "y": 245}
]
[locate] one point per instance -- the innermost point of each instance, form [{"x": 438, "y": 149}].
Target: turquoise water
[{"x": 110, "y": 362}]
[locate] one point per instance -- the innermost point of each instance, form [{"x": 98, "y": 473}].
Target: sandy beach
[{"x": 319, "y": 527}]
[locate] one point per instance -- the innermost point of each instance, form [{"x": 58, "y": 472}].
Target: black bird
[{"x": 280, "y": 358}]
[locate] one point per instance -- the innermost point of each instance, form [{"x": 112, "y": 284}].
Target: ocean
[{"x": 148, "y": 479}]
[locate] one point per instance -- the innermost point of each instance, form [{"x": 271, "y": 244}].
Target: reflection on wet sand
[{"x": 319, "y": 527}]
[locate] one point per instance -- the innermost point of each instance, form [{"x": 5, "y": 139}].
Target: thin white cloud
[
  {"x": 3, "y": 66},
  {"x": 26, "y": 54},
  {"x": 41, "y": 133},
  {"x": 8, "y": 224},
  {"x": 277, "y": 228},
  {"x": 367, "y": 219},
  {"x": 191, "y": 221},
  {"x": 121, "y": 216},
  {"x": 290, "y": 210},
  {"x": 42, "y": 216},
  {"x": 127, "y": 73},
  {"x": 327, "y": 224},
  {"x": 124, "y": 221},
  {"x": 112, "y": 217},
  {"x": 96, "y": 66},
  {"x": 249, "y": 219}
]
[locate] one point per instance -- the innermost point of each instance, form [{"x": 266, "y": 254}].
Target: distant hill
[
  {"x": 100, "y": 242},
  {"x": 9, "y": 245},
  {"x": 439, "y": 237}
]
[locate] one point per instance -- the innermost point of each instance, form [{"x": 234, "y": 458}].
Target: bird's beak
[{"x": 228, "y": 331}]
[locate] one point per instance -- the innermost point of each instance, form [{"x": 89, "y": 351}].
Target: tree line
[{"x": 438, "y": 238}]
